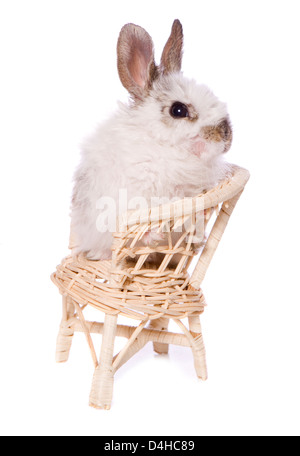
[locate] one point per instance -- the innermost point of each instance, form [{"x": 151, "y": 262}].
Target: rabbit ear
[
  {"x": 172, "y": 54},
  {"x": 136, "y": 65}
]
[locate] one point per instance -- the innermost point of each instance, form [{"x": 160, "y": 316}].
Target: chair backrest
[{"x": 182, "y": 226}]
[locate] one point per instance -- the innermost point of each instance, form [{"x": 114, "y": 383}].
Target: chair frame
[{"x": 225, "y": 194}]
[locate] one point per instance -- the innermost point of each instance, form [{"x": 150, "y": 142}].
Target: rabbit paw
[
  {"x": 197, "y": 240},
  {"x": 152, "y": 238}
]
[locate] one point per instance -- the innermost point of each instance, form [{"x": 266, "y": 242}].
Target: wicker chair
[{"x": 149, "y": 292}]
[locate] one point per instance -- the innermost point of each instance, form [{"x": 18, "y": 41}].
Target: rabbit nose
[
  {"x": 224, "y": 130},
  {"x": 219, "y": 132}
]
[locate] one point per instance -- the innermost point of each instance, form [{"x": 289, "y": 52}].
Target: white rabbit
[{"x": 169, "y": 141}]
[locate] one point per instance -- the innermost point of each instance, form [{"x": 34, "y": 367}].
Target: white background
[{"x": 58, "y": 80}]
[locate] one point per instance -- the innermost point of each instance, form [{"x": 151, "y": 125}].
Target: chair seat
[{"x": 143, "y": 294}]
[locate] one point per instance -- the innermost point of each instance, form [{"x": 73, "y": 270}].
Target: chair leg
[
  {"x": 199, "y": 349},
  {"x": 162, "y": 325},
  {"x": 66, "y": 332},
  {"x": 102, "y": 385}
]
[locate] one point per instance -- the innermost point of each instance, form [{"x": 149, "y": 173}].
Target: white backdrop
[{"x": 58, "y": 80}]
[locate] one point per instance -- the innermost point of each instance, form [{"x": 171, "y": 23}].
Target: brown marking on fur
[
  {"x": 211, "y": 133},
  {"x": 136, "y": 66},
  {"x": 218, "y": 133},
  {"x": 193, "y": 114},
  {"x": 172, "y": 54}
]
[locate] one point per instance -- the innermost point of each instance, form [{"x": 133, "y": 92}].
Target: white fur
[{"x": 149, "y": 153}]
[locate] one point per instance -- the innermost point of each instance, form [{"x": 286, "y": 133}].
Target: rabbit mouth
[
  {"x": 198, "y": 146},
  {"x": 205, "y": 149}
]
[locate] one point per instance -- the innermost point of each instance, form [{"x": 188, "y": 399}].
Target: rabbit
[{"x": 168, "y": 141}]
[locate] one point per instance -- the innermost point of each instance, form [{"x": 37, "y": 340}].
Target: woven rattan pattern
[
  {"x": 141, "y": 297},
  {"x": 132, "y": 286}
]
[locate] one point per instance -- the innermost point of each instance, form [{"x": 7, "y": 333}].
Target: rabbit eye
[{"x": 179, "y": 110}]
